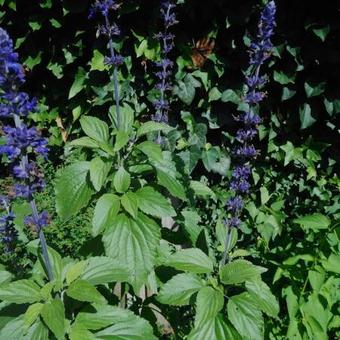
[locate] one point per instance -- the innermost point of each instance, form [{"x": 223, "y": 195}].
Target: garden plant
[{"x": 169, "y": 170}]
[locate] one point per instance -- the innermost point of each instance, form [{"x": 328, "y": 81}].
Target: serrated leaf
[
  {"x": 95, "y": 128},
  {"x": 215, "y": 329},
  {"x": 171, "y": 183},
  {"x": 191, "y": 221},
  {"x": 152, "y": 150},
  {"x": 74, "y": 271},
  {"x": 32, "y": 313},
  {"x": 98, "y": 172},
  {"x": 245, "y": 316},
  {"x": 192, "y": 260},
  {"x": 102, "y": 269},
  {"x": 130, "y": 203},
  {"x": 21, "y": 291},
  {"x": 152, "y": 126},
  {"x": 73, "y": 191},
  {"x": 154, "y": 203},
  {"x": 315, "y": 221},
  {"x": 263, "y": 297},
  {"x": 82, "y": 290},
  {"x": 201, "y": 189},
  {"x": 120, "y": 323},
  {"x": 178, "y": 290},
  {"x": 133, "y": 243},
  {"x": 122, "y": 180},
  {"x": 106, "y": 210},
  {"x": 122, "y": 139},
  {"x": 208, "y": 303},
  {"x": 53, "y": 314},
  {"x": 239, "y": 271}
]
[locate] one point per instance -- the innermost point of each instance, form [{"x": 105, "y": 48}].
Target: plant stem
[{"x": 226, "y": 247}]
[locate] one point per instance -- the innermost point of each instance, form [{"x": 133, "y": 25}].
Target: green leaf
[
  {"x": 322, "y": 32},
  {"x": 86, "y": 142},
  {"x": 105, "y": 212},
  {"x": 153, "y": 203},
  {"x": 97, "y": 61},
  {"x": 123, "y": 324},
  {"x": 230, "y": 96},
  {"x": 245, "y": 316},
  {"x": 287, "y": 93},
  {"x": 315, "y": 221},
  {"x": 130, "y": 203},
  {"x": 185, "y": 90},
  {"x": 38, "y": 331},
  {"x": 215, "y": 329},
  {"x": 152, "y": 126},
  {"x": 82, "y": 290},
  {"x": 178, "y": 290},
  {"x": 171, "y": 184},
  {"x": 208, "y": 303},
  {"x": 191, "y": 221},
  {"x": 95, "y": 128},
  {"x": 74, "y": 271},
  {"x": 306, "y": 118},
  {"x": 283, "y": 78},
  {"x": 214, "y": 160},
  {"x": 98, "y": 172},
  {"x": 13, "y": 329},
  {"x": 263, "y": 297},
  {"x": 73, "y": 191},
  {"x": 5, "y": 276},
  {"x": 53, "y": 314},
  {"x": 152, "y": 150},
  {"x": 239, "y": 271},
  {"x": 332, "y": 263},
  {"x": 312, "y": 91},
  {"x": 201, "y": 189},
  {"x": 122, "y": 180},
  {"x": 133, "y": 244},
  {"x": 101, "y": 270},
  {"x": 122, "y": 139},
  {"x": 192, "y": 260},
  {"x": 78, "y": 83},
  {"x": 32, "y": 313},
  {"x": 214, "y": 94},
  {"x": 21, "y": 291}
]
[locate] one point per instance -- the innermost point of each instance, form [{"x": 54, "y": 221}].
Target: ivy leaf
[
  {"x": 322, "y": 32},
  {"x": 78, "y": 83},
  {"x": 101, "y": 270},
  {"x": 287, "y": 93},
  {"x": 153, "y": 203},
  {"x": 105, "y": 212},
  {"x": 315, "y": 221},
  {"x": 209, "y": 302},
  {"x": 283, "y": 78},
  {"x": 73, "y": 191},
  {"x": 21, "y": 291},
  {"x": 312, "y": 91},
  {"x": 186, "y": 89},
  {"x": 263, "y": 297},
  {"x": 178, "y": 290},
  {"x": 82, "y": 290},
  {"x": 95, "y": 128},
  {"x": 239, "y": 271},
  {"x": 133, "y": 243},
  {"x": 306, "y": 118},
  {"x": 53, "y": 314},
  {"x": 192, "y": 260},
  {"x": 97, "y": 61},
  {"x": 230, "y": 96},
  {"x": 245, "y": 316}
]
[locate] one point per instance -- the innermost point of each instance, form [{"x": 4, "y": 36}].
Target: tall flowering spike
[
  {"x": 103, "y": 7},
  {"x": 165, "y": 65},
  {"x": 21, "y": 143},
  {"x": 260, "y": 51}
]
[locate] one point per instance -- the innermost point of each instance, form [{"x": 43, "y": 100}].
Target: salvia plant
[{"x": 149, "y": 257}]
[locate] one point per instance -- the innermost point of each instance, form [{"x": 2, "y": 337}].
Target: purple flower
[
  {"x": 245, "y": 135},
  {"x": 103, "y": 7},
  {"x": 8, "y": 233},
  {"x": 235, "y": 204},
  {"x": 115, "y": 60},
  {"x": 241, "y": 172},
  {"x": 233, "y": 222},
  {"x": 42, "y": 220},
  {"x": 247, "y": 151},
  {"x": 254, "y": 97},
  {"x": 241, "y": 186},
  {"x": 249, "y": 118}
]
